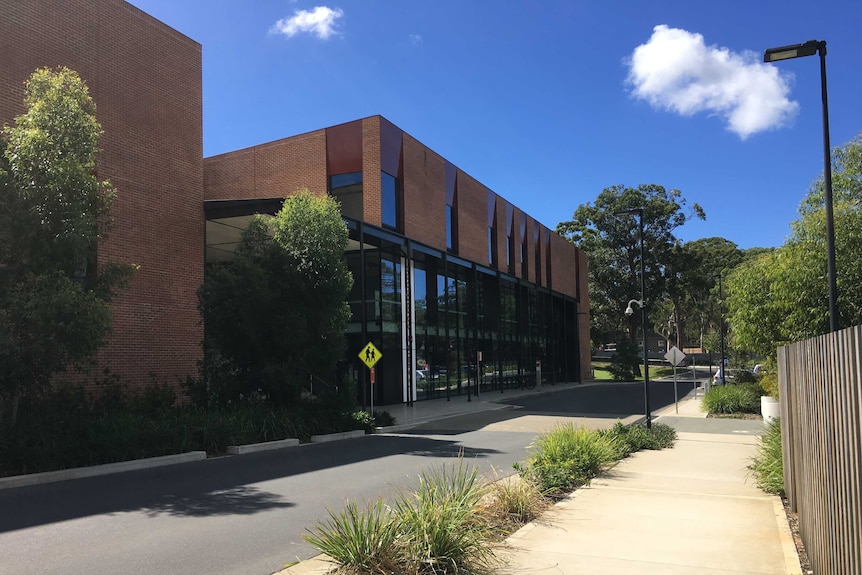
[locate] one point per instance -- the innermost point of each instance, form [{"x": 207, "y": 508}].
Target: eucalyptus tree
[{"x": 612, "y": 243}]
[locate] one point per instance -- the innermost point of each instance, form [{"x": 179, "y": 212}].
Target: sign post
[
  {"x": 370, "y": 355},
  {"x": 675, "y": 357}
]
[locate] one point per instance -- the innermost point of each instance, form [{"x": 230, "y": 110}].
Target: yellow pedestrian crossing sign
[{"x": 370, "y": 355}]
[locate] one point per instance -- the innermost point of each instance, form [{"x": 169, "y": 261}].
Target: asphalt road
[{"x": 246, "y": 515}]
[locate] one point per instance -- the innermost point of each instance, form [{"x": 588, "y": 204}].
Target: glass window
[
  {"x": 538, "y": 265},
  {"x": 347, "y": 189},
  {"x": 510, "y": 248},
  {"x": 389, "y": 200},
  {"x": 450, "y": 228},
  {"x": 492, "y": 246},
  {"x": 524, "y": 260}
]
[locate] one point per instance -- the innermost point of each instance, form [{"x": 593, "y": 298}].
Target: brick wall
[
  {"x": 145, "y": 79},
  {"x": 372, "y": 208},
  {"x": 424, "y": 194},
  {"x": 584, "y": 314},
  {"x": 273, "y": 170},
  {"x": 472, "y": 219}
]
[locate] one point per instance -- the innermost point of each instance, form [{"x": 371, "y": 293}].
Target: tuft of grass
[
  {"x": 511, "y": 502},
  {"x": 767, "y": 464},
  {"x": 725, "y": 399},
  {"x": 566, "y": 458},
  {"x": 631, "y": 438},
  {"x": 440, "y": 531},
  {"x": 358, "y": 538}
]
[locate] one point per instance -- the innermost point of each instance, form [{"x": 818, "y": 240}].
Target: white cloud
[
  {"x": 319, "y": 21},
  {"x": 676, "y": 71},
  {"x": 416, "y": 39}
]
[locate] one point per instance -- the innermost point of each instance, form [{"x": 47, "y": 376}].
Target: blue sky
[{"x": 547, "y": 102}]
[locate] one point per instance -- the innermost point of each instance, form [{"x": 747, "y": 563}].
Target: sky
[{"x": 547, "y": 102}]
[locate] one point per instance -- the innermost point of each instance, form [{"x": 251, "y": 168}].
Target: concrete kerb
[
  {"x": 105, "y": 469},
  {"x": 152, "y": 462}
]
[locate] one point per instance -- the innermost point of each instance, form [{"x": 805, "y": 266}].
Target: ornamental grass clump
[
  {"x": 767, "y": 465},
  {"x": 440, "y": 530},
  {"x": 631, "y": 438},
  {"x": 360, "y": 539},
  {"x": 566, "y": 458},
  {"x": 727, "y": 399},
  {"x": 512, "y": 502}
]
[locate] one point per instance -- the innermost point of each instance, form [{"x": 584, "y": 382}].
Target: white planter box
[{"x": 769, "y": 408}]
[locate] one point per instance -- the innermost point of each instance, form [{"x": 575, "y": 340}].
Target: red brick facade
[
  {"x": 276, "y": 169},
  {"x": 145, "y": 79}
]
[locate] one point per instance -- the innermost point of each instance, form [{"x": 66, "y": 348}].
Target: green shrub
[
  {"x": 631, "y": 438},
  {"x": 567, "y": 458},
  {"x": 769, "y": 383},
  {"x": 767, "y": 464},
  {"x": 361, "y": 539},
  {"x": 68, "y": 428},
  {"x": 440, "y": 530},
  {"x": 725, "y": 399},
  {"x": 512, "y": 501}
]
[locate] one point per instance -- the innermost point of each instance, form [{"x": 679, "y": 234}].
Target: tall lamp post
[
  {"x": 798, "y": 51},
  {"x": 721, "y": 330},
  {"x": 642, "y": 304}
]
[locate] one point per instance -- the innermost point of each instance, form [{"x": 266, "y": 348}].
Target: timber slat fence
[{"x": 820, "y": 382}]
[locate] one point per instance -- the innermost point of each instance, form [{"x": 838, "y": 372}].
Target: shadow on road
[
  {"x": 218, "y": 486},
  {"x": 611, "y": 401}
]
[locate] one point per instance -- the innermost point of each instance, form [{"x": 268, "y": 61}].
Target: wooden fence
[{"x": 821, "y": 404}]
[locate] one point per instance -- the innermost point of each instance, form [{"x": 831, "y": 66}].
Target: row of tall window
[
  {"x": 348, "y": 189},
  {"x": 467, "y": 328}
]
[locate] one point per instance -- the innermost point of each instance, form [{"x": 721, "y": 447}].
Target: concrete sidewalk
[
  {"x": 690, "y": 509},
  {"x": 687, "y": 510}
]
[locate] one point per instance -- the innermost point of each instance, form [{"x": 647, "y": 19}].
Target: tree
[
  {"x": 279, "y": 310},
  {"x": 613, "y": 245},
  {"x": 54, "y": 299},
  {"x": 693, "y": 290},
  {"x": 782, "y": 297}
]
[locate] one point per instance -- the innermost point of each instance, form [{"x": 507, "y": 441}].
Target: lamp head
[{"x": 629, "y": 310}]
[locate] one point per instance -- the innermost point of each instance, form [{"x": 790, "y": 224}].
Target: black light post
[
  {"x": 642, "y": 305},
  {"x": 721, "y": 330},
  {"x": 798, "y": 51}
]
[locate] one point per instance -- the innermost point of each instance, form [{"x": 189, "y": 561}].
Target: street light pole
[
  {"x": 721, "y": 329},
  {"x": 798, "y": 51},
  {"x": 642, "y": 304}
]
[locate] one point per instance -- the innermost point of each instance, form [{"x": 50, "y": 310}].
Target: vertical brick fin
[
  {"x": 563, "y": 255},
  {"x": 472, "y": 214},
  {"x": 503, "y": 215},
  {"x": 583, "y": 297},
  {"x": 424, "y": 188},
  {"x": 372, "y": 207}
]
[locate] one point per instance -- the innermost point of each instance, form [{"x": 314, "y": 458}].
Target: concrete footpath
[{"x": 692, "y": 509}]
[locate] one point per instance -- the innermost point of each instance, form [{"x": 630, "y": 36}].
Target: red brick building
[
  {"x": 145, "y": 79},
  {"x": 445, "y": 269}
]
